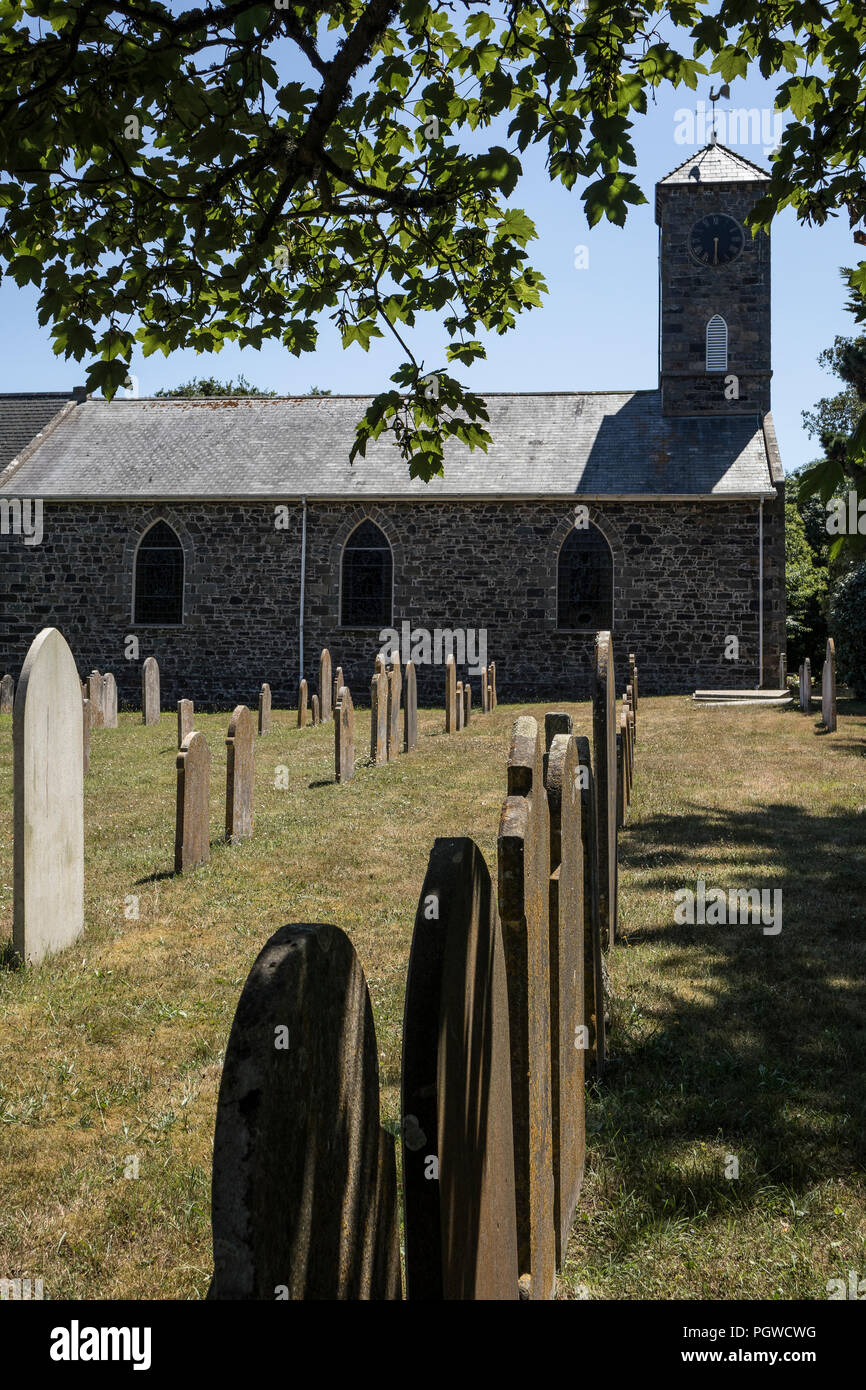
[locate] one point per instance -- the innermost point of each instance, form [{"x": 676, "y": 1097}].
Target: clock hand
[{"x": 715, "y": 250}]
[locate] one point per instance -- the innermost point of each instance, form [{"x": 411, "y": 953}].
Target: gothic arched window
[
  {"x": 585, "y": 581},
  {"x": 368, "y": 570},
  {"x": 159, "y": 577},
  {"x": 717, "y": 344}
]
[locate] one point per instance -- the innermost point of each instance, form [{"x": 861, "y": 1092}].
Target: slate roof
[
  {"x": 716, "y": 164},
  {"x": 23, "y": 416},
  {"x": 615, "y": 444}
]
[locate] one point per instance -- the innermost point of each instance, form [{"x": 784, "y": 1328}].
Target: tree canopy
[{"x": 180, "y": 176}]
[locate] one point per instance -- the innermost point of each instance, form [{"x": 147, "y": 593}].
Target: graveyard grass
[{"x": 724, "y": 1041}]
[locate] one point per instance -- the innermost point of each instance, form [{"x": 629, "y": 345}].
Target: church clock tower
[{"x": 714, "y": 288}]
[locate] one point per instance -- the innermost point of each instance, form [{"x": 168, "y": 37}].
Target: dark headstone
[
  {"x": 593, "y": 956},
  {"x": 450, "y": 696},
  {"x": 460, "y": 705},
  {"x": 314, "y": 710},
  {"x": 410, "y": 709},
  {"x": 555, "y": 722},
  {"x": 458, "y": 1154},
  {"x": 467, "y": 703},
  {"x": 828, "y": 688}
]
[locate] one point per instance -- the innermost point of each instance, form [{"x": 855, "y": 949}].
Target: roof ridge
[{"x": 705, "y": 149}]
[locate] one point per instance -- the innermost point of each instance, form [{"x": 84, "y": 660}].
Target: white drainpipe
[
  {"x": 303, "y": 583},
  {"x": 761, "y": 593}
]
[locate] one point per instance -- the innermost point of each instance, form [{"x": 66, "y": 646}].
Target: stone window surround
[
  {"x": 385, "y": 525},
  {"x": 130, "y": 558}
]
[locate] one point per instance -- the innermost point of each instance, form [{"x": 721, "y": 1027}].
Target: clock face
[{"x": 716, "y": 240}]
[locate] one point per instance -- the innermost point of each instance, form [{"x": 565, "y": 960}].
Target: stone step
[
  {"x": 753, "y": 696},
  {"x": 744, "y": 700}
]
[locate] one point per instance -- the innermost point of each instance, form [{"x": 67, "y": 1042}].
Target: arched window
[
  {"x": 159, "y": 577},
  {"x": 717, "y": 344},
  {"x": 368, "y": 570},
  {"x": 585, "y": 581}
]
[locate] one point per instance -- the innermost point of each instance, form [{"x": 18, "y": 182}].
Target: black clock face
[{"x": 716, "y": 240}]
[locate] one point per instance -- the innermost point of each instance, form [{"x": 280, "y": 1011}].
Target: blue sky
[{"x": 597, "y": 329}]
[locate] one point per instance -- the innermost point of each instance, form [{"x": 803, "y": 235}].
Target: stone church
[{"x": 233, "y": 538}]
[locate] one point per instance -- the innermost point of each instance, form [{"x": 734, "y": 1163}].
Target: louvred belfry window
[
  {"x": 159, "y": 578},
  {"x": 366, "y": 581},
  {"x": 585, "y": 581},
  {"x": 717, "y": 344}
]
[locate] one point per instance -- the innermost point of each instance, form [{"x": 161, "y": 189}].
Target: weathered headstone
[
  {"x": 344, "y": 737},
  {"x": 109, "y": 700},
  {"x": 484, "y": 688},
  {"x": 806, "y": 686},
  {"x": 620, "y": 781},
  {"x": 491, "y": 676},
  {"x": 604, "y": 731},
  {"x": 625, "y": 726},
  {"x": 94, "y": 695},
  {"x": 240, "y": 775},
  {"x": 325, "y": 691},
  {"x": 450, "y": 696},
  {"x": 593, "y": 956},
  {"x": 395, "y": 690},
  {"x": 568, "y": 1034},
  {"x": 555, "y": 722},
  {"x": 467, "y": 703},
  {"x": 192, "y": 821},
  {"x": 150, "y": 702},
  {"x": 460, "y": 705},
  {"x": 302, "y": 703},
  {"x": 87, "y": 725},
  {"x": 632, "y": 669},
  {"x": 828, "y": 688},
  {"x": 379, "y": 718},
  {"x": 632, "y": 716},
  {"x": 783, "y": 671},
  {"x": 7, "y": 695},
  {"x": 314, "y": 710},
  {"x": 524, "y": 881},
  {"x": 48, "y": 735},
  {"x": 304, "y": 1191},
  {"x": 460, "y": 1222},
  {"x": 410, "y": 709},
  {"x": 185, "y": 720},
  {"x": 265, "y": 709},
  {"x": 338, "y": 684}
]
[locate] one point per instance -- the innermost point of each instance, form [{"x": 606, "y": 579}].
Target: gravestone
[
  {"x": 48, "y": 737},
  {"x": 379, "y": 718},
  {"x": 828, "y": 688},
  {"x": 806, "y": 686},
  {"x": 593, "y": 956},
  {"x": 314, "y": 710},
  {"x": 620, "y": 782},
  {"x": 783, "y": 671},
  {"x": 302, "y": 704},
  {"x": 87, "y": 725},
  {"x": 461, "y": 1224},
  {"x": 490, "y": 697},
  {"x": 450, "y": 696},
  {"x": 568, "y": 1038},
  {"x": 524, "y": 882},
  {"x": 467, "y": 703},
  {"x": 304, "y": 1187},
  {"x": 460, "y": 706},
  {"x": 395, "y": 690},
  {"x": 338, "y": 684},
  {"x": 94, "y": 695},
  {"x": 240, "y": 775},
  {"x": 491, "y": 676},
  {"x": 344, "y": 737},
  {"x": 410, "y": 709},
  {"x": 185, "y": 720},
  {"x": 109, "y": 700},
  {"x": 7, "y": 695},
  {"x": 265, "y": 709},
  {"x": 604, "y": 731},
  {"x": 192, "y": 820},
  {"x": 555, "y": 722},
  {"x": 484, "y": 687},
  {"x": 625, "y": 726},
  {"x": 325, "y": 690},
  {"x": 632, "y": 717},
  {"x": 150, "y": 702}
]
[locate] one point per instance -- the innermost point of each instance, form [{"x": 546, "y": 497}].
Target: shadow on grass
[{"x": 753, "y": 1045}]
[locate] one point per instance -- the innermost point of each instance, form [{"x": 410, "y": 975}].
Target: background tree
[
  {"x": 201, "y": 386},
  {"x": 806, "y": 585},
  {"x": 180, "y": 176}
]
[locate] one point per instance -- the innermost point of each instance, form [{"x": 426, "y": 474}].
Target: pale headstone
[
  {"x": 7, "y": 695},
  {"x": 524, "y": 884},
  {"x": 325, "y": 690},
  {"x": 460, "y": 706},
  {"x": 304, "y": 1191},
  {"x": 302, "y": 704},
  {"x": 828, "y": 688},
  {"x": 410, "y": 709},
  {"x": 87, "y": 725},
  {"x": 379, "y": 718},
  {"x": 593, "y": 956},
  {"x": 450, "y": 696},
  {"x": 467, "y": 703},
  {"x": 48, "y": 734},
  {"x": 604, "y": 731},
  {"x": 314, "y": 709},
  {"x": 109, "y": 700},
  {"x": 632, "y": 670},
  {"x": 344, "y": 737},
  {"x": 783, "y": 671},
  {"x": 265, "y": 709},
  {"x": 395, "y": 690},
  {"x": 337, "y": 686},
  {"x": 150, "y": 703},
  {"x": 94, "y": 695},
  {"x": 568, "y": 1038},
  {"x": 185, "y": 720},
  {"x": 192, "y": 821},
  {"x": 806, "y": 686},
  {"x": 461, "y": 1227},
  {"x": 240, "y": 775}
]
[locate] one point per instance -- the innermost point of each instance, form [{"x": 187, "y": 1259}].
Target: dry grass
[{"x": 726, "y": 1041}]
